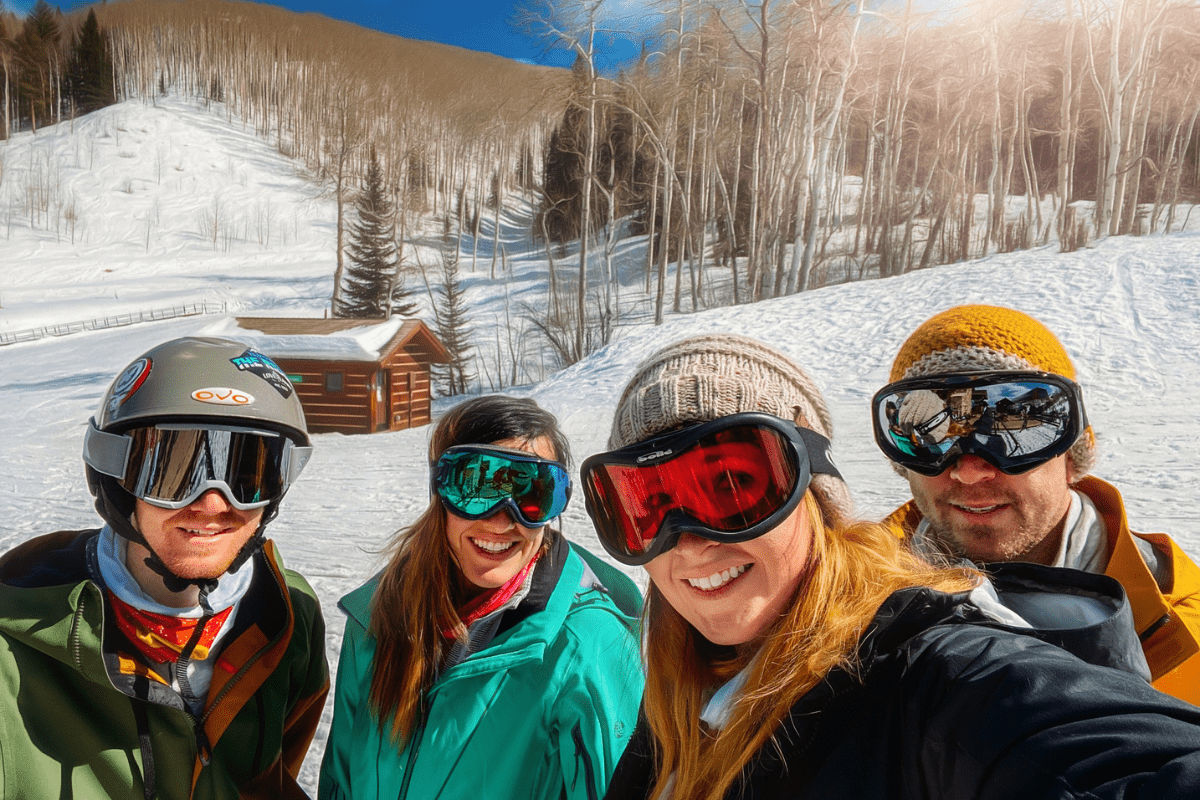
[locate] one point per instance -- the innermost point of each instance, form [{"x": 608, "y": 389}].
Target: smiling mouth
[
  {"x": 718, "y": 579},
  {"x": 977, "y": 509},
  {"x": 196, "y": 532},
  {"x": 494, "y": 548}
]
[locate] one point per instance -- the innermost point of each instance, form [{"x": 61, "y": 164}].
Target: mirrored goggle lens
[
  {"x": 728, "y": 482},
  {"x": 477, "y": 484},
  {"x": 1018, "y": 423},
  {"x": 173, "y": 467}
]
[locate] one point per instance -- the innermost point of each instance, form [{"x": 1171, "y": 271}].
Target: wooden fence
[{"x": 114, "y": 321}]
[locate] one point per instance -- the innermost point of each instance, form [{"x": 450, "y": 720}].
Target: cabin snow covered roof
[{"x": 328, "y": 339}]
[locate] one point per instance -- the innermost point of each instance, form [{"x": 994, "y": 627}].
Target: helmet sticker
[
  {"x": 127, "y": 383},
  {"x": 223, "y": 396},
  {"x": 255, "y": 362}
]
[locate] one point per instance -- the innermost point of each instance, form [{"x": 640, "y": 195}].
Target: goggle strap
[
  {"x": 107, "y": 453},
  {"x": 297, "y": 458},
  {"x": 820, "y": 456}
]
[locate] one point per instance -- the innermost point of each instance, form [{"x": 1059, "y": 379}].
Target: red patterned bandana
[
  {"x": 161, "y": 638},
  {"x": 479, "y": 607}
]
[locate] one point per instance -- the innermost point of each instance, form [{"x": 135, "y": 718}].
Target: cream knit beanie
[{"x": 715, "y": 375}]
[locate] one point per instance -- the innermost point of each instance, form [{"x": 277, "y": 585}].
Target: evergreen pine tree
[
  {"x": 34, "y": 49},
  {"x": 564, "y": 173},
  {"x": 373, "y": 287},
  {"x": 453, "y": 329},
  {"x": 91, "y": 69}
]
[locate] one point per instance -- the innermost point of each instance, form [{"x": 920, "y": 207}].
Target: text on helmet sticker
[
  {"x": 222, "y": 396},
  {"x": 127, "y": 383},
  {"x": 255, "y": 362}
]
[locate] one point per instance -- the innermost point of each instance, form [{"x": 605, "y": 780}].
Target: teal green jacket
[
  {"x": 544, "y": 711},
  {"x": 78, "y": 722}
]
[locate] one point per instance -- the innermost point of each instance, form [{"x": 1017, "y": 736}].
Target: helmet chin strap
[
  {"x": 175, "y": 583},
  {"x": 121, "y": 521}
]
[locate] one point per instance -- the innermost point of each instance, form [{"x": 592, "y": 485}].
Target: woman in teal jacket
[{"x": 490, "y": 658}]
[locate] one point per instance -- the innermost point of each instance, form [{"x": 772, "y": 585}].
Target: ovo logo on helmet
[{"x": 222, "y": 396}]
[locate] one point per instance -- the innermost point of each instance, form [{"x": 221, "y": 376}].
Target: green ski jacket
[
  {"x": 74, "y": 724},
  {"x": 544, "y": 711}
]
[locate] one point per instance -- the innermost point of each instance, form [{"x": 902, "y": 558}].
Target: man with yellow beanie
[{"x": 985, "y": 420}]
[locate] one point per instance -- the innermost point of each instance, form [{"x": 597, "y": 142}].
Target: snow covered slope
[{"x": 1126, "y": 311}]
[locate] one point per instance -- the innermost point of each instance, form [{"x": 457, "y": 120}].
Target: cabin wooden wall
[
  {"x": 349, "y": 410},
  {"x": 411, "y": 390}
]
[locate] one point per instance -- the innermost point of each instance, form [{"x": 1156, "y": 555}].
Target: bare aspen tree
[
  {"x": 576, "y": 24},
  {"x": 1121, "y": 35},
  {"x": 344, "y": 144}
]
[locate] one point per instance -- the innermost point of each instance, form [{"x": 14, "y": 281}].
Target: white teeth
[
  {"x": 200, "y": 533},
  {"x": 493, "y": 547},
  {"x": 983, "y": 510},
  {"x": 717, "y": 579}
]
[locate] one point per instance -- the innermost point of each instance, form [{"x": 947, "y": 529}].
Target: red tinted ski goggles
[
  {"x": 1015, "y": 420},
  {"x": 728, "y": 480},
  {"x": 475, "y": 481},
  {"x": 171, "y": 465}
]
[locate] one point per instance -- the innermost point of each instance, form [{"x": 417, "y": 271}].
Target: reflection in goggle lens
[
  {"x": 1016, "y": 422},
  {"x": 171, "y": 466},
  {"x": 476, "y": 483},
  {"x": 727, "y": 481}
]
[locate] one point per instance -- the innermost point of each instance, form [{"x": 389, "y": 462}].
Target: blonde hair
[{"x": 852, "y": 570}]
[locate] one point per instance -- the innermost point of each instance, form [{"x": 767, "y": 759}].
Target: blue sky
[{"x": 474, "y": 24}]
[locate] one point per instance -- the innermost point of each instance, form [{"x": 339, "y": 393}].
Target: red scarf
[
  {"x": 480, "y": 606},
  {"x": 161, "y": 638}
]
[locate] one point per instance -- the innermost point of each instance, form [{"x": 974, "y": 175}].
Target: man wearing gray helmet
[{"x": 168, "y": 654}]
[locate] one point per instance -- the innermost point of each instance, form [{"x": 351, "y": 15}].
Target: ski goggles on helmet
[
  {"x": 728, "y": 480},
  {"x": 171, "y": 465},
  {"x": 475, "y": 481},
  {"x": 1014, "y": 420}
]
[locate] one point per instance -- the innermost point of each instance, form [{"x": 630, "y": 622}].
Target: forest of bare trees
[
  {"x": 774, "y": 146},
  {"x": 765, "y": 147},
  {"x": 445, "y": 123}
]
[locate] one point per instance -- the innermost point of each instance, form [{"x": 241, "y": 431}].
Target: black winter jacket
[{"x": 951, "y": 706}]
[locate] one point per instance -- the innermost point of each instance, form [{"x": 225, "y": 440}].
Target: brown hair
[
  {"x": 418, "y": 588},
  {"x": 852, "y": 570}
]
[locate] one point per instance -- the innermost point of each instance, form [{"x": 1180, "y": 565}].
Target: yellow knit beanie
[{"x": 978, "y": 337}]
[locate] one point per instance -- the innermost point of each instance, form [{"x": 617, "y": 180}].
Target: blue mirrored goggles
[
  {"x": 171, "y": 465},
  {"x": 1015, "y": 420},
  {"x": 477, "y": 481}
]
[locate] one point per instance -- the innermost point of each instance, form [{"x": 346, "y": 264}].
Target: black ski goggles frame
[
  {"x": 731, "y": 479},
  {"x": 1014, "y": 420}
]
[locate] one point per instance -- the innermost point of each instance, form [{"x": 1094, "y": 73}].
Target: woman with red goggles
[
  {"x": 490, "y": 658},
  {"x": 791, "y": 652}
]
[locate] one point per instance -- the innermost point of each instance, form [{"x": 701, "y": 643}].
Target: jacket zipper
[
  {"x": 204, "y": 747},
  {"x": 411, "y": 761},
  {"x": 241, "y": 673},
  {"x": 581, "y": 755}
]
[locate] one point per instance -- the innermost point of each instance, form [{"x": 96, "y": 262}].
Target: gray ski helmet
[{"x": 197, "y": 381}]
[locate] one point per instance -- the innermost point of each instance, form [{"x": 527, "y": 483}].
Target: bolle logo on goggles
[
  {"x": 222, "y": 396},
  {"x": 655, "y": 454}
]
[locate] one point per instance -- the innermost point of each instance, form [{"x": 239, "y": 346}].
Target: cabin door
[{"x": 381, "y": 401}]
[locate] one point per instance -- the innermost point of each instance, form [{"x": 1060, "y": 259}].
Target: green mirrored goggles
[{"x": 476, "y": 481}]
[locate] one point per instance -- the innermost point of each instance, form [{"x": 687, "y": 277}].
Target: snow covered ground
[{"x": 148, "y": 186}]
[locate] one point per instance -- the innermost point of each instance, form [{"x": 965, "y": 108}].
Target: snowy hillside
[{"x": 147, "y": 182}]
